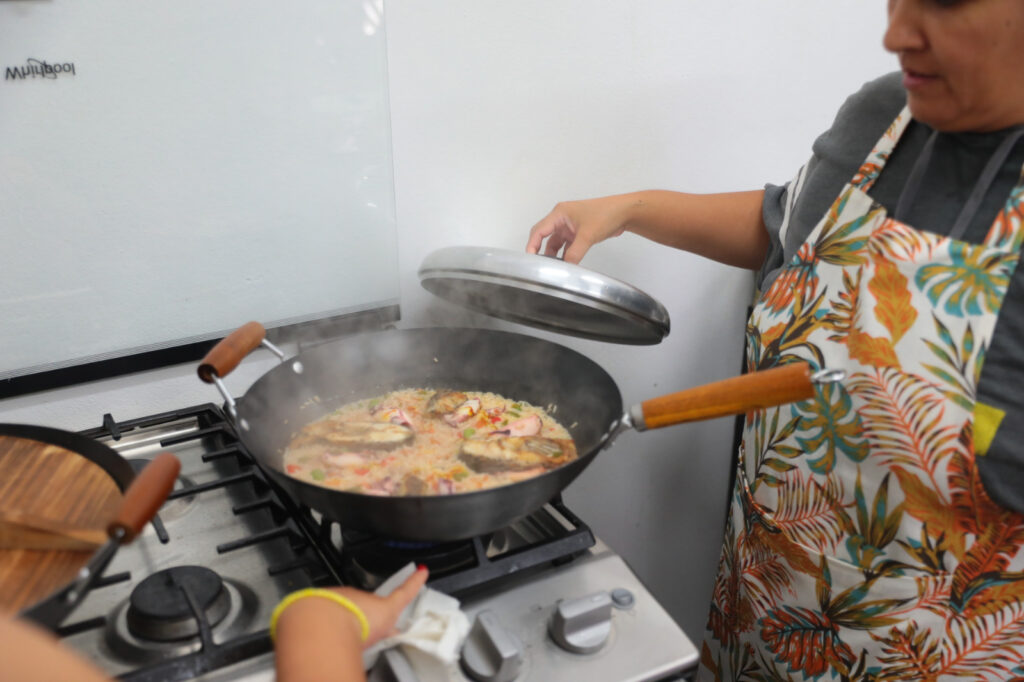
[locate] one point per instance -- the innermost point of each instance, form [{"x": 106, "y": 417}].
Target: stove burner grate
[
  {"x": 550, "y": 535},
  {"x": 159, "y": 605},
  {"x": 152, "y": 635}
]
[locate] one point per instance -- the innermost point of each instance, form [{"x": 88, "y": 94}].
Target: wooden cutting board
[{"x": 58, "y": 485}]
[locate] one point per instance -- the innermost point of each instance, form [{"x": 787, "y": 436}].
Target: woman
[
  {"x": 319, "y": 637},
  {"x": 876, "y": 530}
]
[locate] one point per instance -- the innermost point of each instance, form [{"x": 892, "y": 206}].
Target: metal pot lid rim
[{"x": 545, "y": 293}]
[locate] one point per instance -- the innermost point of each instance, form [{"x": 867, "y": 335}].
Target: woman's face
[{"x": 962, "y": 61}]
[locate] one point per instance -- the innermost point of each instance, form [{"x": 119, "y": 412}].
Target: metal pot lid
[{"x": 545, "y": 293}]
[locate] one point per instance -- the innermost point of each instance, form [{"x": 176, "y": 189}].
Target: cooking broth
[{"x": 420, "y": 441}]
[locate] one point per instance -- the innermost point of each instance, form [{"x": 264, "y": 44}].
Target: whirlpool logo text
[{"x": 37, "y": 68}]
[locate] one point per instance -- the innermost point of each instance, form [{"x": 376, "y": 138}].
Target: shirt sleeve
[{"x": 777, "y": 211}]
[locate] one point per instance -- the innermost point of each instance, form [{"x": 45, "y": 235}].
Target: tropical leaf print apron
[{"x": 861, "y": 544}]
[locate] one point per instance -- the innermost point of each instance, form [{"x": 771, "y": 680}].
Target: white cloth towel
[{"x": 431, "y": 632}]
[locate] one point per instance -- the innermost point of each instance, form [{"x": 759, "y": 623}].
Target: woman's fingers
[
  {"x": 575, "y": 251},
  {"x": 407, "y": 591},
  {"x": 537, "y": 234},
  {"x": 573, "y": 227},
  {"x": 558, "y": 228},
  {"x": 555, "y": 228}
]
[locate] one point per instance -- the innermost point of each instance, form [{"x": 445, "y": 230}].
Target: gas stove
[{"x": 190, "y": 599}]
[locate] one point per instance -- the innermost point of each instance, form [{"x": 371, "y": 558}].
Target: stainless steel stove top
[
  {"x": 191, "y": 598},
  {"x": 642, "y": 642}
]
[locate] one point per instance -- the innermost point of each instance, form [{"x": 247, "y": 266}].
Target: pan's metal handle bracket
[
  {"x": 226, "y": 394},
  {"x": 624, "y": 423},
  {"x": 828, "y": 376},
  {"x": 273, "y": 349},
  {"x": 296, "y": 364}
]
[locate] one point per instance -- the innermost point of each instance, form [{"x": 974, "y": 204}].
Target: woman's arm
[
  {"x": 318, "y": 639},
  {"x": 28, "y": 653},
  {"x": 728, "y": 228}
]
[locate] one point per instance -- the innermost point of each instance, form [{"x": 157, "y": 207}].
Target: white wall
[{"x": 501, "y": 109}]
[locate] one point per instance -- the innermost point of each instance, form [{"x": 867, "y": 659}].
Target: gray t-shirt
[{"x": 950, "y": 176}]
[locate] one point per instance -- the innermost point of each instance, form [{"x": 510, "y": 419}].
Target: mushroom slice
[
  {"x": 370, "y": 435},
  {"x": 515, "y": 453}
]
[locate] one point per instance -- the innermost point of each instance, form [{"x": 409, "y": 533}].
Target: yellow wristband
[{"x": 364, "y": 624}]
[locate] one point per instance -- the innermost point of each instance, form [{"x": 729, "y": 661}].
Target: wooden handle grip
[
  {"x": 225, "y": 356},
  {"x": 145, "y": 495},
  {"x": 737, "y": 395}
]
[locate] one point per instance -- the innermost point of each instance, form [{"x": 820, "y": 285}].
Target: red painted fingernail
[{"x": 421, "y": 567}]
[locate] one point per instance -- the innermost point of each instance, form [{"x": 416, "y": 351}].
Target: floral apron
[{"x": 861, "y": 544}]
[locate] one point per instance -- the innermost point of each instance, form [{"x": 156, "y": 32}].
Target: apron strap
[
  {"x": 913, "y": 182},
  {"x": 981, "y": 187},
  {"x": 875, "y": 161},
  {"x": 984, "y": 182}
]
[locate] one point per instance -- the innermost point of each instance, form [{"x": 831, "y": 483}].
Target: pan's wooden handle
[
  {"x": 225, "y": 356},
  {"x": 765, "y": 388},
  {"x": 145, "y": 495}
]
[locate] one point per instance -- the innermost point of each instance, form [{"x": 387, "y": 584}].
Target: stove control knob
[
  {"x": 582, "y": 625},
  {"x": 491, "y": 653},
  {"x": 622, "y": 598}
]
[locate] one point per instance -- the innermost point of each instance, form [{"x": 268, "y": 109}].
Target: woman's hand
[
  {"x": 318, "y": 639},
  {"x": 578, "y": 225},
  {"x": 382, "y": 612}
]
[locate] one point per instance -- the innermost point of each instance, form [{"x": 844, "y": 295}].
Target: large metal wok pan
[{"x": 586, "y": 398}]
